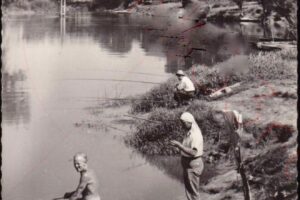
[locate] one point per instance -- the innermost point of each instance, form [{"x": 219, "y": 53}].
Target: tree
[
  {"x": 239, "y": 3},
  {"x": 284, "y": 8},
  {"x": 185, "y": 2}
]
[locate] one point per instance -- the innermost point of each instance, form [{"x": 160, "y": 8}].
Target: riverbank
[
  {"x": 269, "y": 140},
  {"x": 216, "y": 11}
]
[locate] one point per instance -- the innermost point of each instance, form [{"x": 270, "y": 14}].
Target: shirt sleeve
[
  {"x": 238, "y": 117},
  {"x": 197, "y": 143}
]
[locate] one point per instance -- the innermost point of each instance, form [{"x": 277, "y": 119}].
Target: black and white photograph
[{"x": 149, "y": 100}]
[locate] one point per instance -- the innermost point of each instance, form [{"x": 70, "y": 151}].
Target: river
[{"x": 53, "y": 69}]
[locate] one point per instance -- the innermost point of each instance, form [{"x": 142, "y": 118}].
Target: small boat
[
  {"x": 274, "y": 45},
  {"x": 120, "y": 11},
  {"x": 249, "y": 19}
]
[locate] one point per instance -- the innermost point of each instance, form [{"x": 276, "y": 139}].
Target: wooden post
[{"x": 235, "y": 142}]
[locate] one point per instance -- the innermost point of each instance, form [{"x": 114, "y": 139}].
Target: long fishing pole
[
  {"x": 129, "y": 99},
  {"x": 155, "y": 121},
  {"x": 114, "y": 80},
  {"x": 129, "y": 72},
  {"x": 143, "y": 119}
]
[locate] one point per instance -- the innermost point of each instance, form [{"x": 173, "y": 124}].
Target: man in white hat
[
  {"x": 191, "y": 152},
  {"x": 185, "y": 89}
]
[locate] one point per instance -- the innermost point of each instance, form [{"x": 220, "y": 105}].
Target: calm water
[{"x": 51, "y": 66}]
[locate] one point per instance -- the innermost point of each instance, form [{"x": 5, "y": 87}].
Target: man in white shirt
[
  {"x": 185, "y": 89},
  {"x": 191, "y": 152}
]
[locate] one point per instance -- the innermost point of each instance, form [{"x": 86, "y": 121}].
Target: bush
[
  {"x": 273, "y": 172},
  {"x": 161, "y": 96},
  {"x": 274, "y": 65},
  {"x": 35, "y": 5},
  {"x": 42, "y": 5},
  {"x": 23, "y": 5},
  {"x": 152, "y": 138}
]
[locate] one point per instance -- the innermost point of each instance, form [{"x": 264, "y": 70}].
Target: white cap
[
  {"x": 187, "y": 117},
  {"x": 179, "y": 73}
]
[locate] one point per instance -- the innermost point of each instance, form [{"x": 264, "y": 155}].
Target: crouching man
[{"x": 184, "y": 90}]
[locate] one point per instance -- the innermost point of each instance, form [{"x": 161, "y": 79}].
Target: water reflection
[
  {"x": 15, "y": 98},
  {"x": 116, "y": 34}
]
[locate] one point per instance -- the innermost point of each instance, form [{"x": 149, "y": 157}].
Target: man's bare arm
[{"x": 84, "y": 180}]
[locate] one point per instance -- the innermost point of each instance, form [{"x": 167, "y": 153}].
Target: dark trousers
[
  {"x": 182, "y": 96},
  {"x": 192, "y": 169}
]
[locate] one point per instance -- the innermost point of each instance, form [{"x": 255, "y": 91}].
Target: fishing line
[
  {"x": 155, "y": 121},
  {"x": 129, "y": 72},
  {"x": 127, "y": 99}
]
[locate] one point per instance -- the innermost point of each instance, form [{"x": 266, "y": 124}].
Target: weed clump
[
  {"x": 272, "y": 172},
  {"x": 153, "y": 138},
  {"x": 161, "y": 96},
  {"x": 271, "y": 66},
  {"x": 271, "y": 132}
]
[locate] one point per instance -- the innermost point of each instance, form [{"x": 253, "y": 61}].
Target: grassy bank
[
  {"x": 268, "y": 143},
  {"x": 256, "y": 67},
  {"x": 152, "y": 136}
]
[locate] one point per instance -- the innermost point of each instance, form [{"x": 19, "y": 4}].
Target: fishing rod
[
  {"x": 129, "y": 99},
  {"x": 114, "y": 80},
  {"x": 149, "y": 120},
  {"x": 143, "y": 73}
]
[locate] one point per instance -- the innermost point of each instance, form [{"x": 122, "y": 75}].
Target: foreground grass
[{"x": 262, "y": 66}]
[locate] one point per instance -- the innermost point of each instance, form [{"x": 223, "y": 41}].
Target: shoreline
[
  {"x": 220, "y": 12},
  {"x": 265, "y": 133},
  {"x": 219, "y": 178}
]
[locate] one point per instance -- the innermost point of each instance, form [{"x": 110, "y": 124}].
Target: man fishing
[
  {"x": 88, "y": 184},
  {"x": 191, "y": 151},
  {"x": 185, "y": 89}
]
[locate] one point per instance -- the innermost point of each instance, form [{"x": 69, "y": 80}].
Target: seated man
[
  {"x": 87, "y": 188},
  {"x": 185, "y": 89}
]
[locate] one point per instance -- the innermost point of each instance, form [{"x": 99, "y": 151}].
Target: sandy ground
[{"x": 260, "y": 104}]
